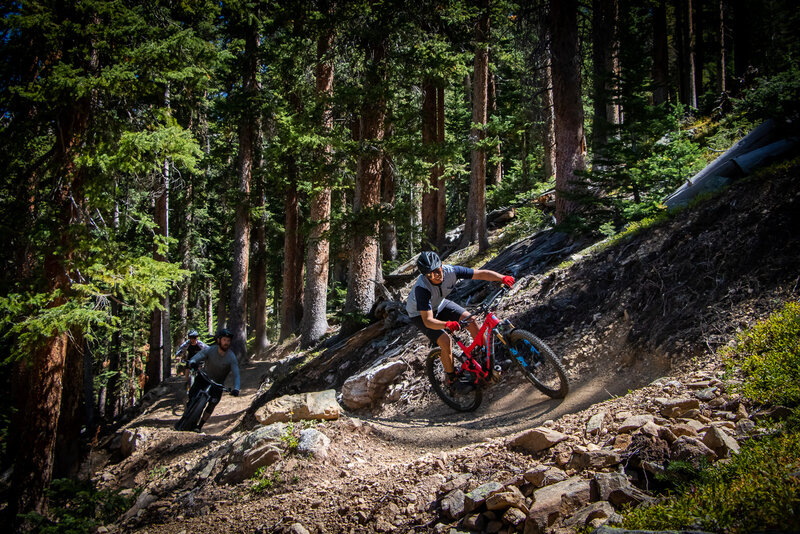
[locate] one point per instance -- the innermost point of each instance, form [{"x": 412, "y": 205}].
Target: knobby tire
[
  {"x": 539, "y": 364},
  {"x": 463, "y": 402},
  {"x": 193, "y": 412}
]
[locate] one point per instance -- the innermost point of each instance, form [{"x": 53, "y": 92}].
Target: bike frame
[{"x": 485, "y": 333}]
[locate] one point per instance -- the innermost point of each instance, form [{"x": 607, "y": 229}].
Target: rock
[
  {"x": 775, "y": 412},
  {"x": 474, "y": 522},
  {"x": 144, "y": 500},
  {"x": 257, "y": 458},
  {"x": 595, "y": 423},
  {"x": 452, "y": 504},
  {"x": 745, "y": 427},
  {"x": 506, "y": 499},
  {"x": 604, "y": 529},
  {"x": 208, "y": 469},
  {"x": 365, "y": 388},
  {"x": 314, "y": 443},
  {"x": 674, "y": 408},
  {"x": 617, "y": 489},
  {"x": 720, "y": 442},
  {"x": 634, "y": 422},
  {"x": 457, "y": 482},
  {"x": 706, "y": 394},
  {"x": 478, "y": 496},
  {"x": 514, "y": 516},
  {"x": 593, "y": 459},
  {"x": 543, "y": 475},
  {"x": 584, "y": 516},
  {"x": 683, "y": 429},
  {"x": 318, "y": 405},
  {"x": 562, "y": 454},
  {"x": 536, "y": 439},
  {"x": 132, "y": 440},
  {"x": 622, "y": 441},
  {"x": 555, "y": 501},
  {"x": 741, "y": 412},
  {"x": 297, "y": 528},
  {"x": 687, "y": 448}
]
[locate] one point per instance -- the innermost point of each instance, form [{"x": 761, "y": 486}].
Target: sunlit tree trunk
[
  {"x": 249, "y": 127},
  {"x": 364, "y": 243},
  {"x": 605, "y": 59}
]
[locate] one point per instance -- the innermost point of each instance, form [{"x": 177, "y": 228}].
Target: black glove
[
  {"x": 235, "y": 392},
  {"x": 193, "y": 365}
]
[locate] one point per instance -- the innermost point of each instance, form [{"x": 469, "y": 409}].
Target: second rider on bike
[
  {"x": 219, "y": 362},
  {"x": 431, "y": 312}
]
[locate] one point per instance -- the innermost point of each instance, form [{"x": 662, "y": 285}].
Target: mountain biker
[
  {"x": 219, "y": 362},
  {"x": 431, "y": 312},
  {"x": 187, "y": 350}
]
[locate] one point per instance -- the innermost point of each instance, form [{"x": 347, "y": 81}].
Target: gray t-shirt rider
[{"x": 217, "y": 367}]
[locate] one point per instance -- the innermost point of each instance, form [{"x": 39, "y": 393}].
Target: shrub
[{"x": 768, "y": 356}]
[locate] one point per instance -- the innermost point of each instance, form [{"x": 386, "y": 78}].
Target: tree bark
[
  {"x": 496, "y": 170},
  {"x": 155, "y": 359},
  {"x": 549, "y": 134},
  {"x": 722, "y": 63},
  {"x": 291, "y": 298},
  {"x": 475, "y": 225},
  {"x": 741, "y": 39},
  {"x": 699, "y": 48},
  {"x": 570, "y": 141},
  {"x": 692, "y": 42},
  {"x": 113, "y": 386},
  {"x": 364, "y": 245},
  {"x": 248, "y": 136},
  {"x": 388, "y": 194},
  {"x": 681, "y": 52},
  {"x": 441, "y": 194},
  {"x": 314, "y": 324},
  {"x": 605, "y": 54},
  {"x": 430, "y": 190},
  {"x": 660, "y": 54}
]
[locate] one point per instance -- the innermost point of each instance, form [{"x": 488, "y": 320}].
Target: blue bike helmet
[
  {"x": 193, "y": 333},
  {"x": 223, "y": 332},
  {"x": 428, "y": 261}
]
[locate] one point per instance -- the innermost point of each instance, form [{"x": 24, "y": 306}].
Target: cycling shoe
[{"x": 462, "y": 383}]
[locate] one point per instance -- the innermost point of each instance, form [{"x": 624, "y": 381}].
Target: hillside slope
[{"x": 653, "y": 304}]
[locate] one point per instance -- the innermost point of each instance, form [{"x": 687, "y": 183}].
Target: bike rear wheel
[
  {"x": 463, "y": 401},
  {"x": 193, "y": 412},
  {"x": 539, "y": 364}
]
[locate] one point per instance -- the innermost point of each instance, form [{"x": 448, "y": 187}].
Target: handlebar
[
  {"x": 485, "y": 306},
  {"x": 208, "y": 378}
]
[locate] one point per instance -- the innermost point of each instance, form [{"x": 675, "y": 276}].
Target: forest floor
[{"x": 659, "y": 303}]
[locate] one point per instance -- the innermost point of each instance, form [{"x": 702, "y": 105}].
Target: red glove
[
  {"x": 453, "y": 326},
  {"x": 508, "y": 280}
]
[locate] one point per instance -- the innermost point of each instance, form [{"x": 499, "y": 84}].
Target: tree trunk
[
  {"x": 570, "y": 148},
  {"x": 292, "y": 258},
  {"x": 441, "y": 195},
  {"x": 222, "y": 304},
  {"x": 496, "y": 170},
  {"x": 549, "y": 137},
  {"x": 722, "y": 64},
  {"x": 699, "y": 48},
  {"x": 315, "y": 322},
  {"x": 660, "y": 54},
  {"x": 429, "y": 191},
  {"x": 248, "y": 138},
  {"x": 681, "y": 52},
  {"x": 259, "y": 274},
  {"x": 210, "y": 306},
  {"x": 605, "y": 54},
  {"x": 475, "y": 225},
  {"x": 113, "y": 386},
  {"x": 364, "y": 245},
  {"x": 388, "y": 194},
  {"x": 692, "y": 42},
  {"x": 155, "y": 363}
]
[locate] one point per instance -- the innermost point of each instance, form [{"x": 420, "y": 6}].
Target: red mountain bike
[{"x": 480, "y": 363}]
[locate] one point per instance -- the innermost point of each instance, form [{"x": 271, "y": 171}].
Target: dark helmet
[
  {"x": 428, "y": 261},
  {"x": 223, "y": 332},
  {"x": 193, "y": 333}
]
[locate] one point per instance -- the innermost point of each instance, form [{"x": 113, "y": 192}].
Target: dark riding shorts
[
  {"x": 200, "y": 383},
  {"x": 450, "y": 312}
]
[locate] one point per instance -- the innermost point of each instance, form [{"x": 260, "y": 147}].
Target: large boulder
[
  {"x": 366, "y": 388},
  {"x": 535, "y": 439},
  {"x": 553, "y": 502},
  {"x": 617, "y": 489},
  {"x": 317, "y": 405}
]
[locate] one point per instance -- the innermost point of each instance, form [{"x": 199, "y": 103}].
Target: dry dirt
[{"x": 657, "y": 304}]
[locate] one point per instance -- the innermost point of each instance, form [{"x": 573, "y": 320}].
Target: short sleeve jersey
[
  {"x": 427, "y": 296},
  {"x": 219, "y": 366}
]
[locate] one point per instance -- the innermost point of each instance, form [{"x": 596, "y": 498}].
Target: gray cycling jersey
[
  {"x": 217, "y": 367},
  {"x": 427, "y": 296}
]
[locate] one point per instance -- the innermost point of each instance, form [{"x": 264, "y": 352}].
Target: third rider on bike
[
  {"x": 219, "y": 362},
  {"x": 431, "y": 312}
]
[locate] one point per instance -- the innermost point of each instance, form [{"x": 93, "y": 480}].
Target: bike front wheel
[
  {"x": 539, "y": 364},
  {"x": 463, "y": 401},
  {"x": 193, "y": 412}
]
